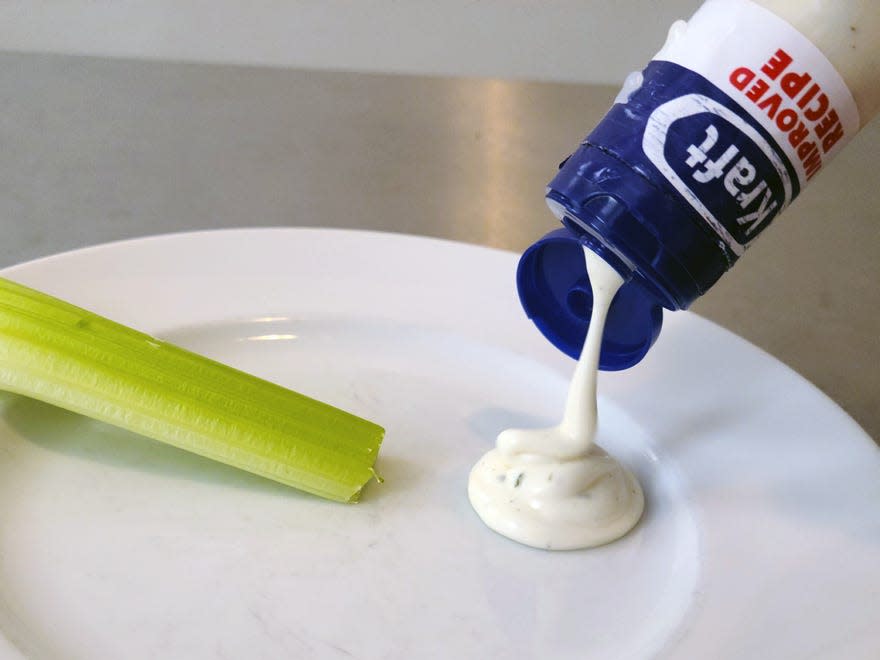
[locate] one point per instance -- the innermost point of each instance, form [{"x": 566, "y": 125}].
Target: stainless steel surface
[{"x": 96, "y": 150}]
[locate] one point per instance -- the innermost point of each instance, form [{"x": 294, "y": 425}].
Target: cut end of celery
[
  {"x": 374, "y": 476},
  {"x": 75, "y": 359},
  {"x": 378, "y": 477}
]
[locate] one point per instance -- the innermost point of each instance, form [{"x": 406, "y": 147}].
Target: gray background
[{"x": 97, "y": 149}]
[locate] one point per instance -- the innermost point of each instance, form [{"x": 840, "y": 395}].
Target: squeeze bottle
[{"x": 744, "y": 104}]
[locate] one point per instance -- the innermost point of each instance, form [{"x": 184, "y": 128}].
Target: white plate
[{"x": 761, "y": 536}]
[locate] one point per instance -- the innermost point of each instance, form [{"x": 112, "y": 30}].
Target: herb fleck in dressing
[{"x": 555, "y": 488}]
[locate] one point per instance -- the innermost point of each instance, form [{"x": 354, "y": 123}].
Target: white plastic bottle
[
  {"x": 847, "y": 32},
  {"x": 742, "y": 106},
  {"x": 745, "y": 103}
]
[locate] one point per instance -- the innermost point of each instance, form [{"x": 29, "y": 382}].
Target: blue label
[
  {"x": 696, "y": 143},
  {"x": 730, "y": 176}
]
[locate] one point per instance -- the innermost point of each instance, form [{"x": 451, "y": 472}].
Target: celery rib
[{"x": 75, "y": 359}]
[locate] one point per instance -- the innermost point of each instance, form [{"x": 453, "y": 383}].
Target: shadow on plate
[
  {"x": 396, "y": 472},
  {"x": 487, "y": 423}
]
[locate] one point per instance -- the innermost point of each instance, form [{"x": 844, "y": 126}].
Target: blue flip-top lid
[{"x": 555, "y": 292}]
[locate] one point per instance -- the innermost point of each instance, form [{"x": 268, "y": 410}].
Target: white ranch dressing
[{"x": 555, "y": 488}]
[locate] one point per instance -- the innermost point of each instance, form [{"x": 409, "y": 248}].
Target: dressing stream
[{"x": 554, "y": 488}]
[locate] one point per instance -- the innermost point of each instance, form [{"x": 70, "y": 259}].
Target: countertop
[{"x": 99, "y": 149}]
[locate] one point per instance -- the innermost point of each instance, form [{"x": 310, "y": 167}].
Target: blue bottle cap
[{"x": 555, "y": 293}]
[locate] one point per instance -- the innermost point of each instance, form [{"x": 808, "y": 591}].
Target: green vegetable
[{"x": 67, "y": 356}]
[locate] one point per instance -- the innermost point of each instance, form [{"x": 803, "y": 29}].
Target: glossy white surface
[{"x": 760, "y": 537}]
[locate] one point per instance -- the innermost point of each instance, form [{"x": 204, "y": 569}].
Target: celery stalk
[{"x": 72, "y": 358}]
